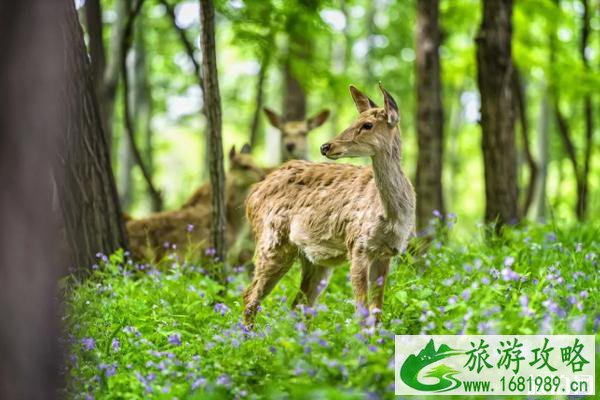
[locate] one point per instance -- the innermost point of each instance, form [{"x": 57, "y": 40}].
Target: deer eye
[{"x": 367, "y": 125}]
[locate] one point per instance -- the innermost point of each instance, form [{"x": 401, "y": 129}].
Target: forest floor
[{"x": 165, "y": 332}]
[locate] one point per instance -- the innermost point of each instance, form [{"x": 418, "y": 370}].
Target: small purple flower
[
  {"x": 584, "y": 294},
  {"x": 578, "y": 324},
  {"x": 452, "y": 300},
  {"x": 509, "y": 275},
  {"x": 508, "y": 261},
  {"x": 210, "y": 252},
  {"x": 466, "y": 294},
  {"x": 524, "y": 300},
  {"x": 224, "y": 380},
  {"x": 174, "y": 339},
  {"x": 88, "y": 343},
  {"x": 221, "y": 308},
  {"x": 300, "y": 326},
  {"x": 380, "y": 281},
  {"x": 436, "y": 213},
  {"x": 551, "y": 237},
  {"x": 198, "y": 382},
  {"x": 115, "y": 345},
  {"x": 110, "y": 370},
  {"x": 485, "y": 280},
  {"x": 190, "y": 227},
  {"x": 572, "y": 300}
]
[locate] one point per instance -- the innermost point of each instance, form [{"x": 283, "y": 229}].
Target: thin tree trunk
[
  {"x": 155, "y": 194},
  {"x": 369, "y": 39},
  {"x": 544, "y": 154},
  {"x": 212, "y": 101},
  {"x": 520, "y": 107},
  {"x": 430, "y": 114},
  {"x": 582, "y": 194},
  {"x": 258, "y": 100},
  {"x": 494, "y": 62},
  {"x": 294, "y": 101}
]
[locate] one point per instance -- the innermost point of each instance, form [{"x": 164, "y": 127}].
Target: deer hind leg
[
  {"x": 314, "y": 281},
  {"x": 271, "y": 266},
  {"x": 378, "y": 271}
]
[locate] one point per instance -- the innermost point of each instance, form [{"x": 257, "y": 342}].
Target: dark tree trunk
[
  {"x": 520, "y": 107},
  {"x": 430, "y": 114},
  {"x": 212, "y": 103},
  {"x": 582, "y": 193},
  {"x": 494, "y": 62},
  {"x": 294, "y": 101},
  {"x": 258, "y": 101},
  {"x": 33, "y": 79},
  {"x": 544, "y": 157},
  {"x": 87, "y": 192},
  {"x": 93, "y": 18}
]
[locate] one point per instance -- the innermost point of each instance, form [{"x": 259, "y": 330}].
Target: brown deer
[
  {"x": 326, "y": 213},
  {"x": 294, "y": 133},
  {"x": 156, "y": 235}
]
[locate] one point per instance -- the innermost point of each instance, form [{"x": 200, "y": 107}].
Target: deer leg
[
  {"x": 378, "y": 271},
  {"x": 270, "y": 268},
  {"x": 359, "y": 270},
  {"x": 314, "y": 281}
]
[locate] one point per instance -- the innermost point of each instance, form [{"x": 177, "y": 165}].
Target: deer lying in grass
[
  {"x": 148, "y": 236},
  {"x": 294, "y": 133},
  {"x": 326, "y": 213}
]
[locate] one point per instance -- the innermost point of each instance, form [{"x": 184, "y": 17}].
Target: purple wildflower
[
  {"x": 509, "y": 275},
  {"x": 115, "y": 345},
  {"x": 224, "y": 380},
  {"x": 190, "y": 227},
  {"x": 221, "y": 308},
  {"x": 198, "y": 382},
  {"x": 584, "y": 294},
  {"x": 380, "y": 281},
  {"x": 175, "y": 339},
  {"x": 508, "y": 261},
  {"x": 210, "y": 251},
  {"x": 436, "y": 213},
  {"x": 551, "y": 237},
  {"x": 466, "y": 294},
  {"x": 578, "y": 324},
  {"x": 88, "y": 343}
]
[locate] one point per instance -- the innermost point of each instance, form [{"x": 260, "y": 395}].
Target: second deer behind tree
[{"x": 327, "y": 213}]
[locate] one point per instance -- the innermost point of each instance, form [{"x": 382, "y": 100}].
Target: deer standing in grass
[
  {"x": 326, "y": 213},
  {"x": 294, "y": 134}
]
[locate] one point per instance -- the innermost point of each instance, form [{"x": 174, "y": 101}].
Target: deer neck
[{"x": 392, "y": 184}]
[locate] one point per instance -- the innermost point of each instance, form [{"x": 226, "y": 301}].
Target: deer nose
[
  {"x": 290, "y": 146},
  {"x": 325, "y": 148}
]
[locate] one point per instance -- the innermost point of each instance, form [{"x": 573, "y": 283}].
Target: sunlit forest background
[{"x": 358, "y": 42}]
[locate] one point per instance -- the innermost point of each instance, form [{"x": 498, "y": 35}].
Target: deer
[
  {"x": 327, "y": 213},
  {"x": 190, "y": 224},
  {"x": 294, "y": 134}
]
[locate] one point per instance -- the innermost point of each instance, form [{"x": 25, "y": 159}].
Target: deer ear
[
  {"x": 363, "y": 103},
  {"x": 318, "y": 119},
  {"x": 390, "y": 106},
  {"x": 273, "y": 117},
  {"x": 232, "y": 152},
  {"x": 245, "y": 149}
]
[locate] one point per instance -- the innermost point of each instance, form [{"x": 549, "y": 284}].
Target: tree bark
[
  {"x": 212, "y": 103},
  {"x": 430, "y": 114},
  {"x": 520, "y": 108},
  {"x": 294, "y": 101},
  {"x": 87, "y": 193},
  {"x": 494, "y": 62},
  {"x": 544, "y": 155}
]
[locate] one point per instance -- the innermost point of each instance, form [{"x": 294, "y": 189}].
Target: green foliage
[{"x": 168, "y": 331}]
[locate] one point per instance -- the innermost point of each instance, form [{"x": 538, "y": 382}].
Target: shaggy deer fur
[
  {"x": 326, "y": 213},
  {"x": 147, "y": 236},
  {"x": 294, "y": 133}
]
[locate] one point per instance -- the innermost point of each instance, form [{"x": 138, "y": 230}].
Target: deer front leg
[
  {"x": 359, "y": 270},
  {"x": 314, "y": 281},
  {"x": 378, "y": 271}
]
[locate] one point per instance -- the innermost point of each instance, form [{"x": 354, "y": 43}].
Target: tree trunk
[
  {"x": 258, "y": 101},
  {"x": 212, "y": 103},
  {"x": 155, "y": 194},
  {"x": 112, "y": 71},
  {"x": 430, "y": 114},
  {"x": 87, "y": 192},
  {"x": 369, "y": 40},
  {"x": 294, "y": 101},
  {"x": 520, "y": 108},
  {"x": 582, "y": 193},
  {"x": 544, "y": 154},
  {"x": 33, "y": 119},
  {"x": 93, "y": 17},
  {"x": 494, "y": 62}
]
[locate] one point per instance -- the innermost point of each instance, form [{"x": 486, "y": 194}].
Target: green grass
[{"x": 167, "y": 333}]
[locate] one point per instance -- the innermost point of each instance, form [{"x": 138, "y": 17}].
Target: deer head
[
  {"x": 374, "y": 131},
  {"x": 242, "y": 168},
  {"x": 294, "y": 133}
]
